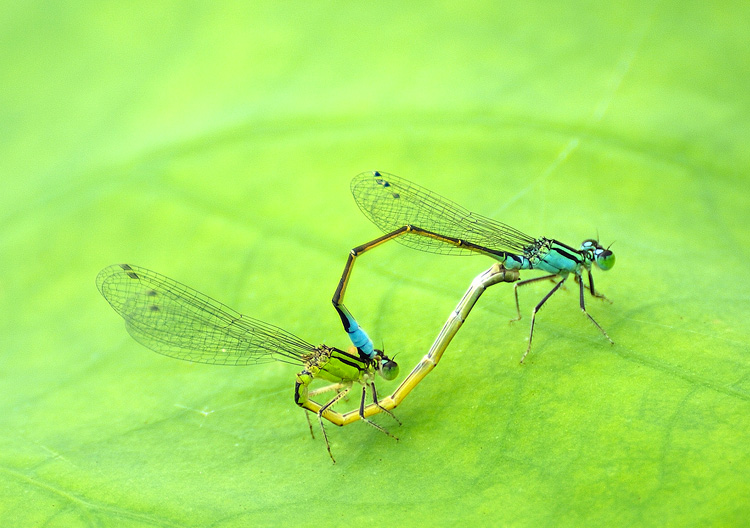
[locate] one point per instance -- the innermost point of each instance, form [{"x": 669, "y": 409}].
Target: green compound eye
[
  {"x": 389, "y": 369},
  {"x": 605, "y": 259}
]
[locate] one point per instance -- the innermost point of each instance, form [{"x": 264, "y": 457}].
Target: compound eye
[
  {"x": 388, "y": 369},
  {"x": 605, "y": 259}
]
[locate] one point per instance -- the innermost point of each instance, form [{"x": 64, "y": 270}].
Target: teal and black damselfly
[
  {"x": 421, "y": 219},
  {"x": 178, "y": 321}
]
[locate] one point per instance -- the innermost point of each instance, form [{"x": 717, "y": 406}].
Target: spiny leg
[
  {"x": 377, "y": 404},
  {"x": 536, "y": 309},
  {"x": 583, "y": 309},
  {"x": 309, "y": 423},
  {"x": 524, "y": 283},
  {"x": 370, "y": 422},
  {"x": 321, "y": 390},
  {"x": 595, "y": 293},
  {"x": 327, "y": 388},
  {"x": 320, "y": 418}
]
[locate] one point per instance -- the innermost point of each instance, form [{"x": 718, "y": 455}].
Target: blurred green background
[{"x": 215, "y": 142}]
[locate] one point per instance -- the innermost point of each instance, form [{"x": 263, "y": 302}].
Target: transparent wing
[
  {"x": 391, "y": 202},
  {"x": 177, "y": 321}
]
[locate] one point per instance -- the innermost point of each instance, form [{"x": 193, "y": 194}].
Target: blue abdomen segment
[{"x": 357, "y": 335}]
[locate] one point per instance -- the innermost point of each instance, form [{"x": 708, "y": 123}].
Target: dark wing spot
[
  {"x": 132, "y": 274},
  {"x": 381, "y": 181},
  {"x": 151, "y": 293},
  {"x": 154, "y": 308}
]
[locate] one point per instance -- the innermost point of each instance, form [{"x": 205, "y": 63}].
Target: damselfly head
[
  {"x": 386, "y": 366},
  {"x": 603, "y": 258}
]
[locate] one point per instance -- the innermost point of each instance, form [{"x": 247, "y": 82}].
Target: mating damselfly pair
[{"x": 175, "y": 320}]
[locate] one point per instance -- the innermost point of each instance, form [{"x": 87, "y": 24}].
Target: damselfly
[
  {"x": 178, "y": 321},
  {"x": 424, "y": 220}
]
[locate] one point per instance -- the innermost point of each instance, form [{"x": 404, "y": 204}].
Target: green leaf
[{"x": 214, "y": 143}]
